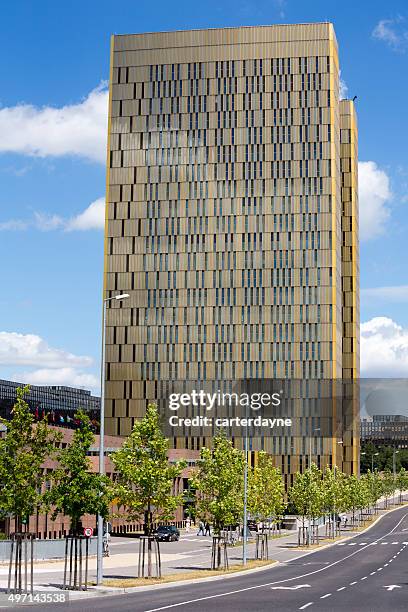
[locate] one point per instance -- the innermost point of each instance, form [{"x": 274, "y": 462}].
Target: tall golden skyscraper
[{"x": 232, "y": 216}]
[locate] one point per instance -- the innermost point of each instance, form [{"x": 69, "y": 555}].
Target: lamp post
[
  {"x": 99, "y": 569},
  {"x": 310, "y": 465},
  {"x": 394, "y": 462},
  {"x": 245, "y": 526},
  {"x": 335, "y": 477}
]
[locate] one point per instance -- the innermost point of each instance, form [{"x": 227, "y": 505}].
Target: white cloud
[
  {"x": 396, "y": 294},
  {"x": 46, "y": 222},
  {"x": 374, "y": 195},
  {"x": 13, "y": 225},
  {"x": 70, "y": 377},
  {"x": 343, "y": 88},
  {"x": 384, "y": 348},
  {"x": 75, "y": 129},
  {"x": 32, "y": 350},
  {"x": 92, "y": 217},
  {"x": 392, "y": 32}
]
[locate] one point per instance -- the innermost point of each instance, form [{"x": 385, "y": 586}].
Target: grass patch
[{"x": 134, "y": 582}]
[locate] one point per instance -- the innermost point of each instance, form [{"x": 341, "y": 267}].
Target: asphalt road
[{"x": 366, "y": 574}]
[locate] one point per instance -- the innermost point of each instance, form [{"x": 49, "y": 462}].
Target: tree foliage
[
  {"x": 75, "y": 489},
  {"x": 23, "y": 451},
  {"x": 265, "y": 490},
  {"x": 306, "y": 494},
  {"x": 219, "y": 480},
  {"x": 144, "y": 486}
]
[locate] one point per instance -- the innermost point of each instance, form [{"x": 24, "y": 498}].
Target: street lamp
[
  {"x": 372, "y": 459},
  {"x": 99, "y": 569}
]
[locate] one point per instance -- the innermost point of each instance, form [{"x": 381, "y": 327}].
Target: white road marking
[
  {"x": 385, "y": 564},
  {"x": 383, "y": 543},
  {"x": 293, "y": 588},
  {"x": 339, "y": 544},
  {"x": 353, "y": 544},
  {"x": 363, "y": 544},
  {"x": 391, "y": 587},
  {"x": 324, "y": 596},
  {"x": 342, "y": 588},
  {"x": 351, "y": 583},
  {"x": 306, "y": 605},
  {"x": 260, "y": 586},
  {"x": 379, "y": 569},
  {"x": 372, "y": 573},
  {"x": 394, "y": 542},
  {"x": 365, "y": 578}
]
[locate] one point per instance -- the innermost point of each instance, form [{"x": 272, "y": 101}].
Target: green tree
[
  {"x": 334, "y": 492},
  {"x": 306, "y": 493},
  {"x": 145, "y": 478},
  {"x": 75, "y": 489},
  {"x": 219, "y": 480},
  {"x": 373, "y": 486},
  {"x": 265, "y": 490},
  {"x": 388, "y": 485},
  {"x": 358, "y": 494},
  {"x": 402, "y": 482},
  {"x": 23, "y": 450}
]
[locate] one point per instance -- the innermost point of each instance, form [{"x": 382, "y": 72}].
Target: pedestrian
[
  {"x": 207, "y": 529},
  {"x": 345, "y": 522},
  {"x": 188, "y": 525},
  {"x": 200, "y": 528},
  {"x": 338, "y": 521}
]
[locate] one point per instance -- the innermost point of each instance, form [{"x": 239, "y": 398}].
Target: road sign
[
  {"x": 391, "y": 587},
  {"x": 292, "y": 588},
  {"x": 88, "y": 532}
]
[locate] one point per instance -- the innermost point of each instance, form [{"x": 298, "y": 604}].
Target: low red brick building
[{"x": 45, "y": 527}]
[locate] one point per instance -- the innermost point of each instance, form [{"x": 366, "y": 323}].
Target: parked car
[{"x": 167, "y": 533}]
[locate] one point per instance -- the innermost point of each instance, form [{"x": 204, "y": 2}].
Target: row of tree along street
[{"x": 144, "y": 480}]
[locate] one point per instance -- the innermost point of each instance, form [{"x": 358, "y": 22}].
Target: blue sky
[{"x": 54, "y": 68}]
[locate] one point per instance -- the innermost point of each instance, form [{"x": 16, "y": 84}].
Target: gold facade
[{"x": 225, "y": 218}]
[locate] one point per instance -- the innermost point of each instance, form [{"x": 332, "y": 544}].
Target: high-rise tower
[{"x": 231, "y": 214}]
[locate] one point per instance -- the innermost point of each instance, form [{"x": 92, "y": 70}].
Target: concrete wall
[{"x": 45, "y": 549}]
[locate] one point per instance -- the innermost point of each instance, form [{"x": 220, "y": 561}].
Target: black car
[{"x": 167, "y": 533}]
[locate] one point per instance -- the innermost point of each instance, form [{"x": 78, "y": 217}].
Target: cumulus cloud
[
  {"x": 384, "y": 348},
  {"x": 374, "y": 196},
  {"x": 75, "y": 129},
  {"x": 393, "y": 32},
  {"x": 70, "y": 377},
  {"x": 92, "y": 217},
  {"x": 32, "y": 350}
]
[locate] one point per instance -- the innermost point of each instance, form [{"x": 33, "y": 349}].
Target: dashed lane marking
[
  {"x": 263, "y": 585},
  {"x": 342, "y": 588},
  {"x": 351, "y": 583},
  {"x": 324, "y": 596},
  {"x": 306, "y": 605}
]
